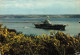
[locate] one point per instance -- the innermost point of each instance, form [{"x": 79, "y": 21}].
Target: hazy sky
[{"x": 40, "y": 7}]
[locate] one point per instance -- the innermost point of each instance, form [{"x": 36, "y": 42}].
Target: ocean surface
[{"x": 28, "y": 28}]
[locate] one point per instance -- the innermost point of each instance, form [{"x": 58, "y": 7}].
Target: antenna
[{"x": 47, "y": 17}]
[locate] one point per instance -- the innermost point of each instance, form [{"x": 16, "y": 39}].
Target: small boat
[
  {"x": 79, "y": 21},
  {"x": 48, "y": 25},
  {"x": 25, "y": 27}
]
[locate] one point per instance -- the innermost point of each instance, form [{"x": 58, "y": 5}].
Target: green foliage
[{"x": 57, "y": 43}]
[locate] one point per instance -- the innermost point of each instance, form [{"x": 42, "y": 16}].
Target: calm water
[{"x": 73, "y": 28}]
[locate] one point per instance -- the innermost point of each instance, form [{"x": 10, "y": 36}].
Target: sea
[{"x": 72, "y": 28}]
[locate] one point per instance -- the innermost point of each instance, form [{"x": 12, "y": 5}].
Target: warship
[{"x": 48, "y": 25}]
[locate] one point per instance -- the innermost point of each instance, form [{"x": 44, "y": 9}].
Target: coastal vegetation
[
  {"x": 57, "y": 43},
  {"x": 41, "y": 16}
]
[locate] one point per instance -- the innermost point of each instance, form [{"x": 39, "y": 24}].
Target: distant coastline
[{"x": 40, "y": 16}]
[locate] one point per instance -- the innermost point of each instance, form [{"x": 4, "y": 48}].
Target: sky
[{"x": 39, "y": 7}]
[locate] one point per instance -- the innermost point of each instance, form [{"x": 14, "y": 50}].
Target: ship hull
[{"x": 55, "y": 27}]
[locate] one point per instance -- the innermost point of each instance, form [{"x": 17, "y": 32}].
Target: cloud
[
  {"x": 29, "y": 4},
  {"x": 40, "y": 6}
]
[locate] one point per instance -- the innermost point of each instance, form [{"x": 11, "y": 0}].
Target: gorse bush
[{"x": 57, "y": 43}]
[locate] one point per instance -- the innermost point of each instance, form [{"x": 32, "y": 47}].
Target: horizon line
[{"x": 39, "y": 14}]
